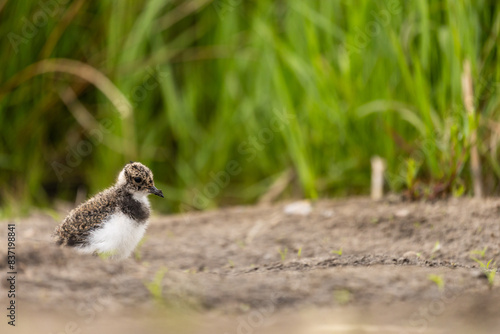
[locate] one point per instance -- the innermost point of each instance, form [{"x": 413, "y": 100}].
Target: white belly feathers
[{"x": 117, "y": 236}]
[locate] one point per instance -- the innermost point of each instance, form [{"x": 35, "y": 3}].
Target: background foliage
[{"x": 306, "y": 89}]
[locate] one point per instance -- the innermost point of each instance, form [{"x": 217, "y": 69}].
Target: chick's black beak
[{"x": 155, "y": 191}]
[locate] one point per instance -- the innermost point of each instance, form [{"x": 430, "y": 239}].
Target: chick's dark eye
[{"x": 137, "y": 179}]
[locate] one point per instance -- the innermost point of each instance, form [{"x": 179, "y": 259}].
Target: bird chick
[{"x": 115, "y": 220}]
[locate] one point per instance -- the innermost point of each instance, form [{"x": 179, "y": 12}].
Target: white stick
[{"x": 377, "y": 186}]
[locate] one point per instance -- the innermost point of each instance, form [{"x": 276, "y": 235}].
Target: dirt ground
[{"x": 349, "y": 266}]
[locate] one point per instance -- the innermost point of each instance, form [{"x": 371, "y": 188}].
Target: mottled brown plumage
[{"x": 127, "y": 197}]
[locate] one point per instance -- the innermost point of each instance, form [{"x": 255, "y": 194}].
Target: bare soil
[{"x": 349, "y": 266}]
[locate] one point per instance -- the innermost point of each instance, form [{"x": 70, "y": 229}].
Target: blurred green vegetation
[{"x": 246, "y": 92}]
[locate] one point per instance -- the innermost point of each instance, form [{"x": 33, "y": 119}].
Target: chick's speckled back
[{"x": 86, "y": 217}]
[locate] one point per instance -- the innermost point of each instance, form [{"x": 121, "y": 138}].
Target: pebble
[
  {"x": 402, "y": 213},
  {"x": 300, "y": 208}
]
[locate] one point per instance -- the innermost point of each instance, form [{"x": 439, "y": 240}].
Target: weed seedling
[
  {"x": 438, "y": 279},
  {"x": 458, "y": 189},
  {"x": 106, "y": 255},
  {"x": 488, "y": 269},
  {"x": 481, "y": 253},
  {"x": 412, "y": 169},
  {"x": 437, "y": 247},
  {"x": 338, "y": 252},
  {"x": 342, "y": 296},
  {"x": 299, "y": 253},
  {"x": 283, "y": 253},
  {"x": 155, "y": 286}
]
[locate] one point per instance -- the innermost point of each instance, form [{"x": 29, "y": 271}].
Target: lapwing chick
[{"x": 115, "y": 220}]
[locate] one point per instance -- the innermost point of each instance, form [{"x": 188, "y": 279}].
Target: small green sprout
[
  {"x": 458, "y": 190},
  {"x": 489, "y": 270},
  {"x": 438, "y": 279},
  {"x": 155, "y": 287},
  {"x": 412, "y": 169},
  {"x": 437, "y": 247},
  {"x": 338, "y": 252},
  {"x": 299, "y": 253},
  {"x": 490, "y": 275},
  {"x": 342, "y": 296},
  {"x": 481, "y": 253},
  {"x": 106, "y": 255},
  {"x": 283, "y": 253}
]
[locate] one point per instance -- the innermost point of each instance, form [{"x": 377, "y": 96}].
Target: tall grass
[{"x": 315, "y": 87}]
